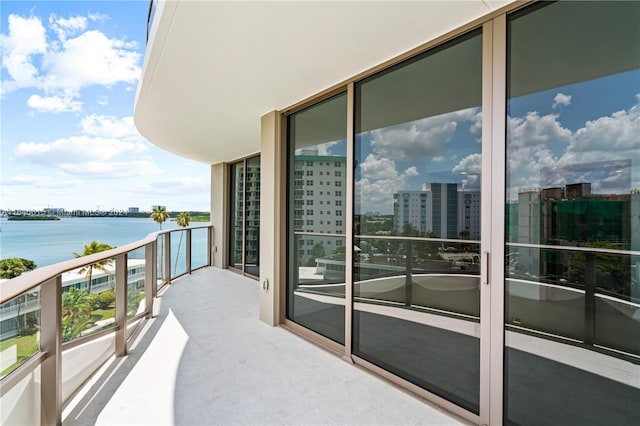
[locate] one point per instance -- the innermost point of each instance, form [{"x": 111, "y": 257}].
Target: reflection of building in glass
[
  {"x": 441, "y": 208},
  {"x": 319, "y": 200},
  {"x": 570, "y": 216},
  {"x": 247, "y": 189}
]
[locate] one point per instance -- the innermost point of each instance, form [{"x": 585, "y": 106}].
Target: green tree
[
  {"x": 159, "y": 215},
  {"x": 12, "y": 267},
  {"x": 92, "y": 248},
  {"x": 182, "y": 220},
  {"x": 316, "y": 251},
  {"x": 76, "y": 313}
]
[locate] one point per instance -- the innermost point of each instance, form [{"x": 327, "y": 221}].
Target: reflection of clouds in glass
[
  {"x": 605, "y": 177},
  {"x": 422, "y": 138},
  {"x": 561, "y": 100},
  {"x": 535, "y": 130},
  {"x": 610, "y": 144},
  {"x": 381, "y": 180},
  {"x": 471, "y": 166},
  {"x": 323, "y": 149}
]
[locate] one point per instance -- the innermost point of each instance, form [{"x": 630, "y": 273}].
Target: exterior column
[
  {"x": 219, "y": 214},
  {"x": 272, "y": 217}
]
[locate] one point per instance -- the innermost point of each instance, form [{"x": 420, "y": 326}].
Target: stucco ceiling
[{"x": 213, "y": 68}]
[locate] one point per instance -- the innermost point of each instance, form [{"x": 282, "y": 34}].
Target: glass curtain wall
[
  {"x": 416, "y": 280},
  {"x": 572, "y": 292},
  {"x": 317, "y": 217},
  {"x": 244, "y": 221}
]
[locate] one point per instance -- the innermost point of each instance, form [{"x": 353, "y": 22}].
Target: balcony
[{"x": 198, "y": 355}]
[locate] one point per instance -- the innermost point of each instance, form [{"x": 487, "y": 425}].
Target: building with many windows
[
  {"x": 441, "y": 209},
  {"x": 472, "y": 94}
]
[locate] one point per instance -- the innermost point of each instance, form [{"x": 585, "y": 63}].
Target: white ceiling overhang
[{"x": 213, "y": 68}]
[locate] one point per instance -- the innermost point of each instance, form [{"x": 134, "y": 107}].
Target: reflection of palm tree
[
  {"x": 182, "y": 221},
  {"x": 93, "y": 248},
  {"x": 159, "y": 215}
]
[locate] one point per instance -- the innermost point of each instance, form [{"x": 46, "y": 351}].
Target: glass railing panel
[
  {"x": 19, "y": 330},
  {"x": 88, "y": 299},
  {"x": 21, "y": 404},
  {"x": 160, "y": 259},
  {"x": 178, "y": 253},
  {"x": 199, "y": 247},
  {"x": 136, "y": 282},
  {"x": 316, "y": 295}
]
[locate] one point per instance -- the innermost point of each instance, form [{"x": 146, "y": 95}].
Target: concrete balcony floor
[{"x": 205, "y": 358}]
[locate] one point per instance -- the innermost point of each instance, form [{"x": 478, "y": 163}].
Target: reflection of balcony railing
[
  {"x": 86, "y": 353},
  {"x": 587, "y": 296}
]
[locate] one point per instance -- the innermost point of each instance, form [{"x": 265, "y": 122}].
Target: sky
[{"x": 69, "y": 75}]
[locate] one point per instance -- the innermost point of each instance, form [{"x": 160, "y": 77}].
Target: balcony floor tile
[{"x": 205, "y": 358}]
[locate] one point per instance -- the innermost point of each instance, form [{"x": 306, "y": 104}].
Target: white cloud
[
  {"x": 374, "y": 167},
  {"x": 65, "y": 27},
  {"x": 561, "y": 100},
  {"x": 26, "y": 38},
  {"x": 438, "y": 159},
  {"x": 109, "y": 126},
  {"x": 75, "y": 150},
  {"x": 90, "y": 59},
  {"x": 47, "y": 182},
  {"x": 381, "y": 180},
  {"x": 421, "y": 138},
  {"x": 181, "y": 185},
  {"x": 535, "y": 130},
  {"x": 73, "y": 58},
  {"x": 470, "y": 165},
  {"x": 111, "y": 169},
  {"x": 55, "y": 104}
]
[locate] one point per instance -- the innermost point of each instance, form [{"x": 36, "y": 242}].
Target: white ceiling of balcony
[{"x": 213, "y": 68}]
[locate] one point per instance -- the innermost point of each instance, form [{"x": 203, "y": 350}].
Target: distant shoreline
[
  {"x": 196, "y": 216},
  {"x": 34, "y": 217}
]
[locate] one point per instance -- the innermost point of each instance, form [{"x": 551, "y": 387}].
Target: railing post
[
  {"x": 149, "y": 279},
  {"x": 408, "y": 289},
  {"x": 51, "y": 343},
  {"x": 210, "y": 246},
  {"x": 188, "y": 243},
  {"x": 167, "y": 257},
  {"x": 121, "y": 305},
  {"x": 589, "y": 298}
]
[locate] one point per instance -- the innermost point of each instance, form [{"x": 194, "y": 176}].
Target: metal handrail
[{"x": 19, "y": 285}]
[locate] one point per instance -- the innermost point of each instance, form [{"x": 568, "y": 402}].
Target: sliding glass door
[
  {"x": 244, "y": 219},
  {"x": 416, "y": 272},
  {"x": 572, "y": 292},
  {"x": 493, "y": 186}
]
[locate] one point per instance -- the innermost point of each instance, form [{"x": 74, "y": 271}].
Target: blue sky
[{"x": 68, "y": 81}]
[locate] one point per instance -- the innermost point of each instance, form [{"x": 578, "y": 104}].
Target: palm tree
[
  {"x": 93, "y": 248},
  {"x": 76, "y": 313},
  {"x": 159, "y": 215},
  {"x": 182, "y": 221}
]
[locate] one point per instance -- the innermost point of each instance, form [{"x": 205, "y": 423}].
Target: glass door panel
[
  {"x": 252, "y": 217},
  {"x": 572, "y": 292},
  {"x": 317, "y": 218},
  {"x": 416, "y": 281},
  {"x": 244, "y": 222},
  {"x": 236, "y": 220}
]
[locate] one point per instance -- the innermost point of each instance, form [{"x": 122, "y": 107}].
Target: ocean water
[{"x": 48, "y": 242}]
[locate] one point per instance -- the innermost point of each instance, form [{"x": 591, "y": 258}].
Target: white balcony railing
[{"x": 35, "y": 387}]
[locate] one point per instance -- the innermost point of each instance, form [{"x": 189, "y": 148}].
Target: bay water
[{"x": 52, "y": 241}]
